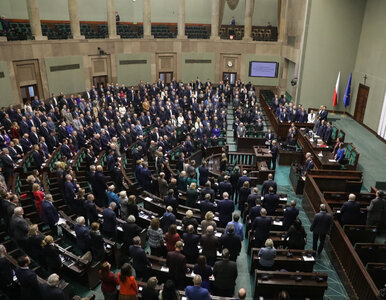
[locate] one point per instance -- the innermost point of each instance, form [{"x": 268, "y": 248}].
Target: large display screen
[{"x": 263, "y": 69}]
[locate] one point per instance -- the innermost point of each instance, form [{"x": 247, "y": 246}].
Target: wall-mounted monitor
[{"x": 267, "y": 69}]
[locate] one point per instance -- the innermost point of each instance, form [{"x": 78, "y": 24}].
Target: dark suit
[
  {"x": 290, "y": 215},
  {"x": 375, "y": 211},
  {"x": 266, "y": 185},
  {"x": 204, "y": 174},
  {"x": 50, "y": 215},
  {"x": 225, "y": 187},
  {"x": 7, "y": 167},
  {"x": 90, "y": 211},
  {"x": 100, "y": 189},
  {"x": 261, "y": 226},
  {"x": 225, "y": 207},
  {"x": 350, "y": 213},
  {"x": 270, "y": 203},
  {"x": 320, "y": 227},
  {"x": 176, "y": 262},
  {"x": 97, "y": 246},
  {"x": 38, "y": 159},
  {"x": 327, "y": 135},
  {"x": 30, "y": 288},
  {"x": 82, "y": 237},
  {"x": 51, "y": 292},
  {"x": 206, "y": 206},
  {"x": 109, "y": 222},
  {"x": 225, "y": 274},
  {"x": 231, "y": 242},
  {"x": 274, "y": 152},
  {"x": 191, "y": 241},
  {"x": 140, "y": 262},
  {"x": 171, "y": 201}
]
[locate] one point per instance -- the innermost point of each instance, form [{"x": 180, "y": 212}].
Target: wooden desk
[
  {"x": 262, "y": 154},
  {"x": 307, "y": 287},
  {"x": 321, "y": 162},
  {"x": 297, "y": 181}
]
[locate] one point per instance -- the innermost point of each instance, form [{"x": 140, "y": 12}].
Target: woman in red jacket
[
  {"x": 109, "y": 282},
  {"x": 172, "y": 237},
  {"x": 39, "y": 197}
]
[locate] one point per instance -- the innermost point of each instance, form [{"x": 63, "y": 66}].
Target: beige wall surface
[
  {"x": 190, "y": 71},
  {"x": 131, "y": 74},
  {"x": 331, "y": 43},
  {"x": 6, "y": 95},
  {"x": 371, "y": 60},
  {"x": 261, "y": 80},
  {"x": 68, "y": 81},
  {"x": 162, "y": 11}
]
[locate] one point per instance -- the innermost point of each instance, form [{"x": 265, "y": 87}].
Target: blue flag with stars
[{"x": 347, "y": 93}]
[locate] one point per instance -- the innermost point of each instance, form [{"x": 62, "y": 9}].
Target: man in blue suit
[
  {"x": 267, "y": 184},
  {"x": 309, "y": 164},
  {"x": 204, "y": 173},
  {"x": 37, "y": 157},
  {"x": 196, "y": 292},
  {"x": 25, "y": 143},
  {"x": 50, "y": 214},
  {"x": 225, "y": 186},
  {"x": 225, "y": 208},
  {"x": 110, "y": 221},
  {"x": 83, "y": 238},
  {"x": 140, "y": 260},
  {"x": 145, "y": 177},
  {"x": 271, "y": 201},
  {"x": 110, "y": 161},
  {"x": 290, "y": 215},
  {"x": 350, "y": 211},
  {"x": 30, "y": 287},
  {"x": 90, "y": 209},
  {"x": 320, "y": 228},
  {"x": 322, "y": 129},
  {"x": 284, "y": 117},
  {"x": 327, "y": 134},
  {"x": 206, "y": 205},
  {"x": 70, "y": 190},
  {"x": 242, "y": 179},
  {"x": 260, "y": 227}
]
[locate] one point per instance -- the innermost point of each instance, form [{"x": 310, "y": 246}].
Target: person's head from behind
[
  {"x": 269, "y": 243},
  {"x": 53, "y": 280},
  {"x": 172, "y": 230},
  {"x": 152, "y": 282},
  {"x": 242, "y": 294},
  {"x": 105, "y": 268},
  {"x": 197, "y": 280},
  {"x": 23, "y": 261},
  {"x": 283, "y": 295},
  {"x": 169, "y": 290},
  {"x": 126, "y": 272},
  {"x": 225, "y": 253}
]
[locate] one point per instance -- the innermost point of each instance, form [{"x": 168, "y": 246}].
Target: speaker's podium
[{"x": 297, "y": 179}]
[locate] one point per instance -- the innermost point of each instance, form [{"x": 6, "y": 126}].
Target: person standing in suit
[
  {"x": 7, "y": 284},
  {"x": 320, "y": 227},
  {"x": 19, "y": 226},
  {"x": 309, "y": 164},
  {"x": 170, "y": 200},
  {"x": 51, "y": 255},
  {"x": 275, "y": 152},
  {"x": 350, "y": 211},
  {"x": 260, "y": 227},
  {"x": 140, "y": 261},
  {"x": 100, "y": 187},
  {"x": 168, "y": 219},
  {"x": 96, "y": 243},
  {"x": 110, "y": 221},
  {"x": 225, "y": 275},
  {"x": 206, "y": 205},
  {"x": 204, "y": 173},
  {"x": 149, "y": 292},
  {"x": 90, "y": 209},
  {"x": 238, "y": 227},
  {"x": 176, "y": 262},
  {"x": 196, "y": 292},
  {"x": 327, "y": 134},
  {"x": 70, "y": 190},
  {"x": 8, "y": 165},
  {"x": 267, "y": 184},
  {"x": 82, "y": 232},
  {"x": 290, "y": 215},
  {"x": 376, "y": 209},
  {"x": 50, "y": 214},
  {"x": 191, "y": 241},
  {"x": 229, "y": 240},
  {"x": 30, "y": 287},
  {"x": 225, "y": 208},
  {"x": 271, "y": 201}
]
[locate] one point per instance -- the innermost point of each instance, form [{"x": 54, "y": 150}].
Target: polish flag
[{"x": 335, "y": 97}]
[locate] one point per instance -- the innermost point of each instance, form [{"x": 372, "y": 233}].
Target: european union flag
[{"x": 347, "y": 93}]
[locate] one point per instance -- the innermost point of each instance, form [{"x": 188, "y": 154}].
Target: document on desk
[
  {"x": 306, "y": 258},
  {"x": 217, "y": 234},
  {"x": 164, "y": 269},
  {"x": 278, "y": 223},
  {"x": 320, "y": 154},
  {"x": 332, "y": 160},
  {"x": 61, "y": 221},
  {"x": 148, "y": 199}
]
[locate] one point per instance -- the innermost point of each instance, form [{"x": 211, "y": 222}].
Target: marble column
[
  {"x": 215, "y": 19},
  {"x": 181, "y": 20},
  {"x": 74, "y": 19},
  {"x": 249, "y": 7},
  {"x": 111, "y": 20},
  {"x": 34, "y": 20},
  {"x": 147, "y": 19},
  {"x": 282, "y": 22}
]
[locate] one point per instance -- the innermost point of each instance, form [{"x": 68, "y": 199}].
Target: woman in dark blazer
[
  {"x": 50, "y": 255},
  {"x": 296, "y": 236},
  {"x": 97, "y": 243}
]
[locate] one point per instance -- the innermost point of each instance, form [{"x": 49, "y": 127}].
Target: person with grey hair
[
  {"x": 350, "y": 211},
  {"x": 206, "y": 205},
  {"x": 82, "y": 232},
  {"x": 8, "y": 165},
  {"x": 209, "y": 243},
  {"x": 140, "y": 261},
  {"x": 163, "y": 185},
  {"x": 50, "y": 214},
  {"x": 225, "y": 275},
  {"x": 130, "y": 230},
  {"x": 231, "y": 241},
  {"x": 260, "y": 227},
  {"x": 50, "y": 290},
  {"x": 225, "y": 208},
  {"x": 320, "y": 227},
  {"x": 19, "y": 226},
  {"x": 110, "y": 221},
  {"x": 196, "y": 291},
  {"x": 191, "y": 241}
]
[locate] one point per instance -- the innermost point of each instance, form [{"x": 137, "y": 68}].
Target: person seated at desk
[
  {"x": 267, "y": 256},
  {"x": 339, "y": 156},
  {"x": 296, "y": 236},
  {"x": 350, "y": 211},
  {"x": 309, "y": 164}
]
